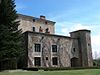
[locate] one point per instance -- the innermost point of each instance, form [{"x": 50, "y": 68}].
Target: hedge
[{"x": 59, "y": 68}]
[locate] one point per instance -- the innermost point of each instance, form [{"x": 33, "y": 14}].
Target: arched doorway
[{"x": 74, "y": 62}]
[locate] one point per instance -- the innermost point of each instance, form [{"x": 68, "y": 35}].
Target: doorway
[
  {"x": 37, "y": 61},
  {"x": 74, "y": 62}
]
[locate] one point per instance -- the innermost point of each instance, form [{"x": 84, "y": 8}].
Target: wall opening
[
  {"x": 37, "y": 47},
  {"x": 54, "y": 48},
  {"x": 54, "y": 61},
  {"x": 37, "y": 61},
  {"x": 74, "y": 62},
  {"x": 33, "y": 29}
]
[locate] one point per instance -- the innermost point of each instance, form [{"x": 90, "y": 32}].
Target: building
[{"x": 46, "y": 49}]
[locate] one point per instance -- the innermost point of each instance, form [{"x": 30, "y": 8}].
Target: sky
[{"x": 69, "y": 15}]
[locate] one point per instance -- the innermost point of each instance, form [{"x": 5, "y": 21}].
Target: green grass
[{"x": 63, "y": 72}]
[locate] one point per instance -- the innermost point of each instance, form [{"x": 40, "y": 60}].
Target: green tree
[{"x": 10, "y": 36}]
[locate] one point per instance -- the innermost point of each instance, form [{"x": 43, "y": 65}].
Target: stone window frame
[
  {"x": 37, "y": 64},
  {"x": 39, "y": 49},
  {"x": 33, "y": 20},
  {"x": 33, "y": 29},
  {"x": 56, "y": 49},
  {"x": 55, "y": 62}
]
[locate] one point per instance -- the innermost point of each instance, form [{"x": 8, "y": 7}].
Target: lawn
[{"x": 63, "y": 72}]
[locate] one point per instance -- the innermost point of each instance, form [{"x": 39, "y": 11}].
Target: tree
[{"x": 10, "y": 36}]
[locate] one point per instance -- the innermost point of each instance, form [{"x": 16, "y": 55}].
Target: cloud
[
  {"x": 95, "y": 39},
  {"x": 66, "y": 27},
  {"x": 69, "y": 27},
  {"x": 63, "y": 27},
  {"x": 79, "y": 26}
]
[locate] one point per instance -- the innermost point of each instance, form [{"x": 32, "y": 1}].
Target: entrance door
[
  {"x": 74, "y": 62},
  {"x": 37, "y": 61}
]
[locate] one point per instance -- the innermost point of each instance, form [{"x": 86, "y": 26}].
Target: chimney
[{"x": 42, "y": 17}]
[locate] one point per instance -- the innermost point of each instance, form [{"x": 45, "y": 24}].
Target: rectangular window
[
  {"x": 37, "y": 61},
  {"x": 74, "y": 50},
  {"x": 54, "y": 61},
  {"x": 37, "y": 47},
  {"x": 33, "y": 20},
  {"x": 46, "y": 58},
  {"x": 46, "y": 22},
  {"x": 34, "y": 29},
  {"x": 54, "y": 48}
]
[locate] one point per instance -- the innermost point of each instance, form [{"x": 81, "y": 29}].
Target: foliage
[
  {"x": 96, "y": 62},
  {"x": 59, "y": 68},
  {"x": 8, "y": 64},
  {"x": 68, "y": 68},
  {"x": 10, "y": 36}
]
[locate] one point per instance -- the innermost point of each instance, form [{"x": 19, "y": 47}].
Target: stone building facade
[{"x": 46, "y": 49}]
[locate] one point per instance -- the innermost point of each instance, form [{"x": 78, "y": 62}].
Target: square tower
[{"x": 29, "y": 23}]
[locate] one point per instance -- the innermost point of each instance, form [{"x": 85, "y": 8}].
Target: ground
[{"x": 63, "y": 72}]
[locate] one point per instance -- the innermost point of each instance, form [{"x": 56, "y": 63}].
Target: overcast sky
[{"x": 69, "y": 15}]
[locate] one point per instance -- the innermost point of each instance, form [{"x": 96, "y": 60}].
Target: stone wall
[
  {"x": 84, "y": 45},
  {"x": 74, "y": 51},
  {"x": 89, "y": 49},
  {"x": 64, "y": 46}
]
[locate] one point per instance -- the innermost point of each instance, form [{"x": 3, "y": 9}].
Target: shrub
[{"x": 31, "y": 69}]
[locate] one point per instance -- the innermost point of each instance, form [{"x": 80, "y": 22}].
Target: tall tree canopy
[{"x": 10, "y": 36}]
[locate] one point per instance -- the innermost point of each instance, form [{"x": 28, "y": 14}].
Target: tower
[
  {"x": 84, "y": 47},
  {"x": 41, "y": 25}
]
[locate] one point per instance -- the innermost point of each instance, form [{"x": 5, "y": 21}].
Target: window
[
  {"x": 74, "y": 50},
  {"x": 47, "y": 30},
  {"x": 37, "y": 47},
  {"x": 46, "y": 22},
  {"x": 33, "y": 20},
  {"x": 37, "y": 61},
  {"x": 88, "y": 44},
  {"x": 54, "y": 48},
  {"x": 54, "y": 61},
  {"x": 46, "y": 58},
  {"x": 33, "y": 28}
]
